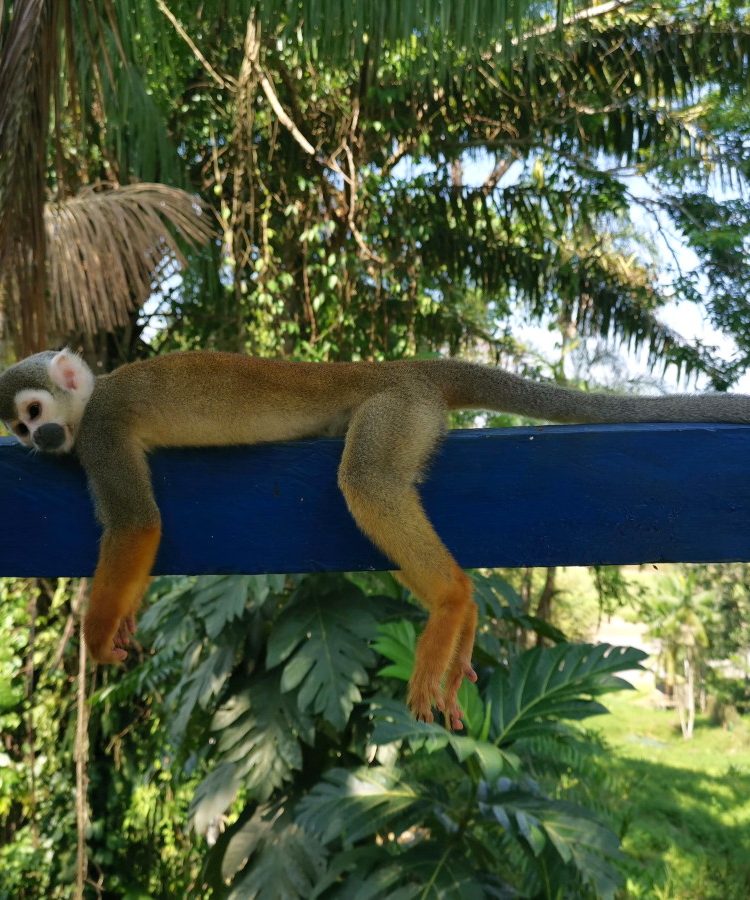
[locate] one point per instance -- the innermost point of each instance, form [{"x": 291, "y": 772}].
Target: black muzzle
[{"x": 49, "y": 437}]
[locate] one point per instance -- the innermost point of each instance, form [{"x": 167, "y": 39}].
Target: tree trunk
[{"x": 544, "y": 604}]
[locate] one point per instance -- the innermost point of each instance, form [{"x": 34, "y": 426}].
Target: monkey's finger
[
  {"x": 122, "y": 635},
  {"x": 456, "y": 720},
  {"x": 453, "y": 712},
  {"x": 131, "y": 623},
  {"x": 125, "y": 632},
  {"x": 470, "y": 673}
]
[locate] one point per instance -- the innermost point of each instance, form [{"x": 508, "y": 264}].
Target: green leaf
[
  {"x": 322, "y": 635},
  {"x": 9, "y": 695},
  {"x": 572, "y": 832},
  {"x": 393, "y": 722},
  {"x": 218, "y": 600},
  {"x": 397, "y": 641},
  {"x": 166, "y": 615},
  {"x": 259, "y": 732},
  {"x": 498, "y": 599},
  {"x": 554, "y": 683},
  {"x": 366, "y": 872},
  {"x": 201, "y": 685},
  {"x": 261, "y": 587},
  {"x": 213, "y": 796},
  {"x": 424, "y": 869},
  {"x": 349, "y": 805},
  {"x": 276, "y": 857},
  {"x": 475, "y": 717}
]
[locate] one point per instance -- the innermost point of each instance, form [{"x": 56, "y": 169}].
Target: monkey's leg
[
  {"x": 120, "y": 580},
  {"x": 389, "y": 439}
]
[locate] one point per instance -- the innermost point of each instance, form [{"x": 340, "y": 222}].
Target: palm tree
[
  {"x": 74, "y": 255},
  {"x": 684, "y": 642},
  {"x": 82, "y": 58}
]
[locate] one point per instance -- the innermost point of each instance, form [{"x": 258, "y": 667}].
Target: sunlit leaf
[
  {"x": 348, "y": 805},
  {"x": 555, "y": 682}
]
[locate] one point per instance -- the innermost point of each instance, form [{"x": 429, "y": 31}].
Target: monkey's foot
[
  {"x": 125, "y": 632},
  {"x": 424, "y": 693},
  {"x": 459, "y": 670},
  {"x": 104, "y": 639},
  {"x": 113, "y": 656}
]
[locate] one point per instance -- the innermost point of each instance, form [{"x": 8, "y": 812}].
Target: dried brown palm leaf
[{"x": 108, "y": 250}]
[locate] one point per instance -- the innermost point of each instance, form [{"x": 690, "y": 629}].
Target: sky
[{"x": 686, "y": 319}]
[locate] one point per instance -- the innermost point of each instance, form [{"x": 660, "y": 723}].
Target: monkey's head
[{"x": 42, "y": 399}]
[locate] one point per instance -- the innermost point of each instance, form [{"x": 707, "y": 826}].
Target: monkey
[{"x": 391, "y": 415}]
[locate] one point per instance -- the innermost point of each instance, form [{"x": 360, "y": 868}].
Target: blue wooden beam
[{"x": 554, "y": 495}]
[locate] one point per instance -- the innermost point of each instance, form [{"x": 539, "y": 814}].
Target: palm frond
[
  {"x": 339, "y": 30},
  {"x": 108, "y": 250}
]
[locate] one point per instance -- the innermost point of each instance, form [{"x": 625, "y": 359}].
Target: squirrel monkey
[{"x": 391, "y": 414}]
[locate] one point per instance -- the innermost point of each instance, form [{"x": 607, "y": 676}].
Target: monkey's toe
[
  {"x": 125, "y": 632},
  {"x": 459, "y": 670},
  {"x": 454, "y": 718},
  {"x": 453, "y": 714},
  {"x": 121, "y": 639},
  {"x": 421, "y": 709},
  {"x": 113, "y": 656}
]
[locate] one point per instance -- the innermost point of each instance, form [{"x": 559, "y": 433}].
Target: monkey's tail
[{"x": 469, "y": 386}]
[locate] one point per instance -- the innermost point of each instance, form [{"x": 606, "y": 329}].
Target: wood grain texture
[{"x": 553, "y": 495}]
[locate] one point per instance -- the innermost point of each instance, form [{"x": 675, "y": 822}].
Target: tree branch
[
  {"x": 281, "y": 114},
  {"x": 583, "y": 15},
  {"x": 222, "y": 82},
  {"x": 81, "y": 754}
]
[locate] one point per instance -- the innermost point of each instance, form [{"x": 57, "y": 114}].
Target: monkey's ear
[{"x": 70, "y": 372}]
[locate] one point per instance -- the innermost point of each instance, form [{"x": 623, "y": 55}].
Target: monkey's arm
[{"x": 120, "y": 483}]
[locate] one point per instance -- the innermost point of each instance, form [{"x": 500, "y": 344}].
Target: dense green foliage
[{"x": 265, "y": 704}]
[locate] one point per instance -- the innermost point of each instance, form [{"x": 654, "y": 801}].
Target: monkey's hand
[
  {"x": 112, "y": 656},
  {"x": 114, "y": 650}
]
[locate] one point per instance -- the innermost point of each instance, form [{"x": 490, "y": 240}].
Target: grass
[{"x": 684, "y": 818}]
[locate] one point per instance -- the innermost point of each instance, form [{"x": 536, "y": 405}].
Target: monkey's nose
[{"x": 49, "y": 437}]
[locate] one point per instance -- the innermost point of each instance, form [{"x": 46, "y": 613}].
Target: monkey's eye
[
  {"x": 34, "y": 410},
  {"x": 21, "y": 430}
]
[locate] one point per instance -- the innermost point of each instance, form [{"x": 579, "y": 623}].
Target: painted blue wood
[{"x": 572, "y": 495}]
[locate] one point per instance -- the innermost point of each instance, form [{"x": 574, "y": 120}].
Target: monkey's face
[{"x": 42, "y": 399}]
